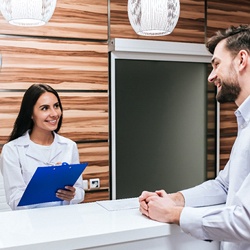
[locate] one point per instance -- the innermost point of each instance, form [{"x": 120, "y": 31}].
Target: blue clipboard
[{"x": 47, "y": 180}]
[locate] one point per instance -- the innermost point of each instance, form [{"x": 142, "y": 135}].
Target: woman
[{"x": 34, "y": 142}]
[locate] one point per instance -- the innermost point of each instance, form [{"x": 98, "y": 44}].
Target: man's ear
[{"x": 243, "y": 59}]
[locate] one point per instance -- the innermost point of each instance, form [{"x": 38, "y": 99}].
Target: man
[{"x": 229, "y": 223}]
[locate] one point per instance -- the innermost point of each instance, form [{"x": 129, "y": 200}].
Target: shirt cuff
[
  {"x": 190, "y": 197},
  {"x": 191, "y": 222}
]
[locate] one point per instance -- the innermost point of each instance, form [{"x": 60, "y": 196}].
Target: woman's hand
[{"x": 66, "y": 194}]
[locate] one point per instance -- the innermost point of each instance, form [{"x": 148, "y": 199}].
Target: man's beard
[
  {"x": 230, "y": 88},
  {"x": 229, "y": 92}
]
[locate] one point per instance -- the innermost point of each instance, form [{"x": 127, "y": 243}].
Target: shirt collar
[
  {"x": 24, "y": 140},
  {"x": 243, "y": 111}
]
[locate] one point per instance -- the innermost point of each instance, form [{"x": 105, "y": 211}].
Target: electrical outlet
[{"x": 94, "y": 183}]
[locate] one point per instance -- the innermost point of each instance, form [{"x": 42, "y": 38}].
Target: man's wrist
[
  {"x": 178, "y": 198},
  {"x": 176, "y": 215}
]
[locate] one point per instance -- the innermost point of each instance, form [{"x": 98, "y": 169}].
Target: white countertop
[{"x": 76, "y": 227}]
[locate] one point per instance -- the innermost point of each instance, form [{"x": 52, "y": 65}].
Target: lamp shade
[
  {"x": 27, "y": 12},
  {"x": 153, "y": 17}
]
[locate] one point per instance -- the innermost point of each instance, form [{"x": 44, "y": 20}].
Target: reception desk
[{"x": 91, "y": 226}]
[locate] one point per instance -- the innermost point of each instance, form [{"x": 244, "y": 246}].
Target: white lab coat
[{"x": 20, "y": 159}]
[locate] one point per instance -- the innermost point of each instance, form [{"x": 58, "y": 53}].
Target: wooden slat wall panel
[
  {"x": 211, "y": 133},
  {"x": 92, "y": 196},
  {"x": 222, "y": 14},
  {"x": 226, "y": 143},
  {"x": 228, "y": 125},
  {"x": 97, "y": 156},
  {"x": 211, "y": 122},
  {"x": 86, "y": 19},
  {"x": 211, "y": 158},
  {"x": 228, "y": 131},
  {"x": 190, "y": 27},
  {"x": 211, "y": 127},
  {"x": 68, "y": 64},
  {"x": 86, "y": 116}
]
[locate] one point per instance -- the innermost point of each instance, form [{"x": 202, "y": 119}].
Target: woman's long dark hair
[{"x": 24, "y": 121}]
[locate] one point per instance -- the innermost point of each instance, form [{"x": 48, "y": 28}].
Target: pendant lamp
[
  {"x": 153, "y": 17},
  {"x": 27, "y": 12}
]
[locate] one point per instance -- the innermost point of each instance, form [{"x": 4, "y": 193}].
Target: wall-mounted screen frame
[{"x": 126, "y": 49}]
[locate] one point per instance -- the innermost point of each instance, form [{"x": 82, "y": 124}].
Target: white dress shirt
[
  {"x": 20, "y": 159},
  {"x": 229, "y": 224}
]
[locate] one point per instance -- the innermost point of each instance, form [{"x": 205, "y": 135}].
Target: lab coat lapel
[
  {"x": 30, "y": 151},
  {"x": 33, "y": 152},
  {"x": 55, "y": 151}
]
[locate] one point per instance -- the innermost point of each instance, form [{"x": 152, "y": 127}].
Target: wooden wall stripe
[
  {"x": 96, "y": 154},
  {"x": 84, "y": 19},
  {"x": 67, "y": 64},
  {"x": 228, "y": 123},
  {"x": 222, "y": 14},
  {"x": 226, "y": 144},
  {"x": 92, "y": 196},
  {"x": 211, "y": 157},
  {"x": 190, "y": 27},
  {"x": 211, "y": 117},
  {"x": 228, "y": 131},
  {"x": 211, "y": 132}
]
